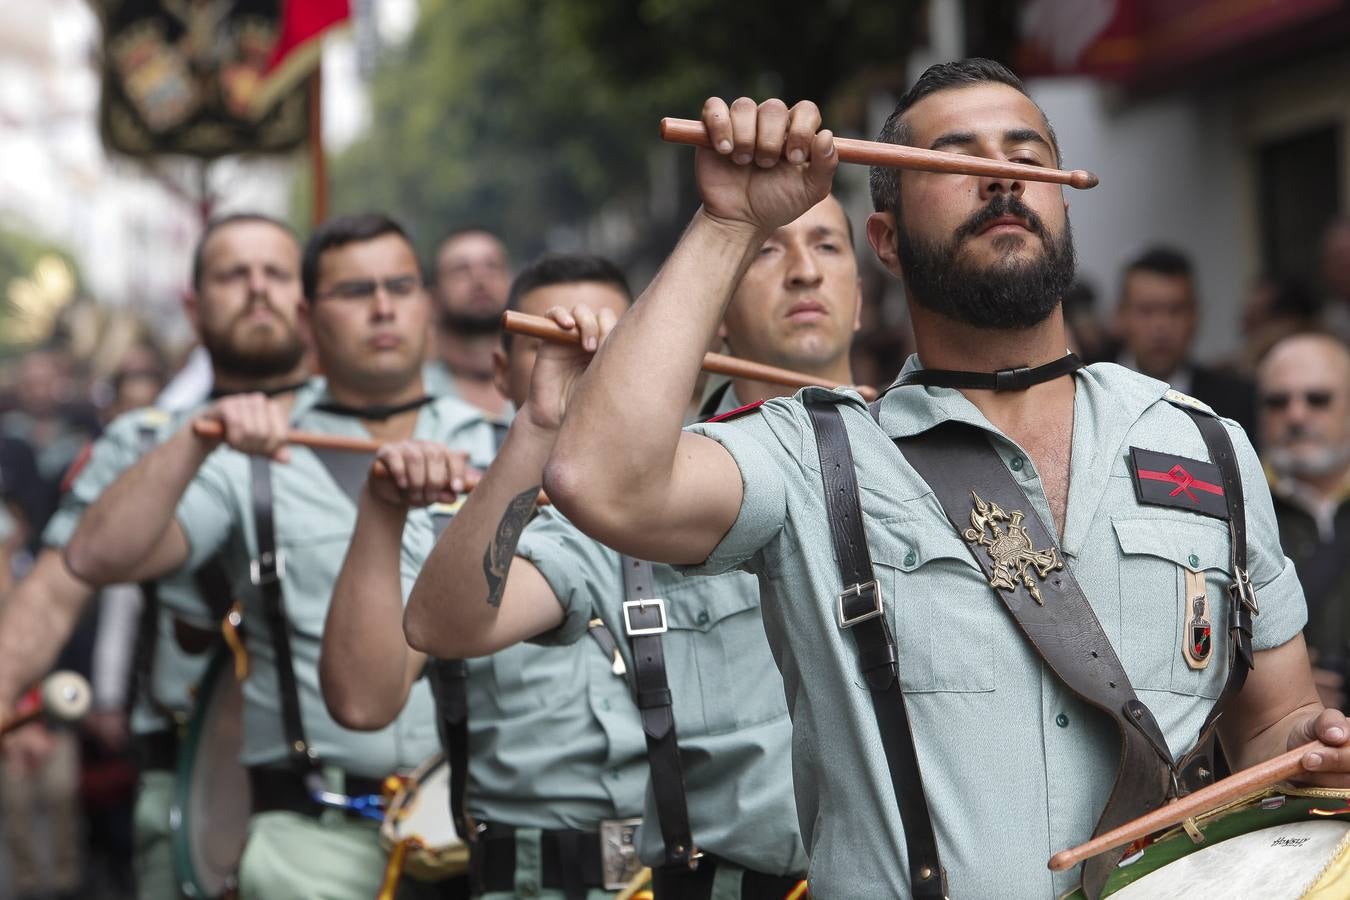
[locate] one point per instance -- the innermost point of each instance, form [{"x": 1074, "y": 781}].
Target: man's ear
[
  {"x": 192, "y": 309},
  {"x": 881, "y": 233}
]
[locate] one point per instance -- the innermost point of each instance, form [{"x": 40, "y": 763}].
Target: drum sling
[
  {"x": 265, "y": 573},
  {"x": 644, "y": 619}
]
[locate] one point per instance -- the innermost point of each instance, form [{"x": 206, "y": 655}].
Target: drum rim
[{"x": 221, "y": 665}]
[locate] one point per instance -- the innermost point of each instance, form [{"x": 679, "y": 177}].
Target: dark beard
[
  {"x": 1003, "y": 296},
  {"x": 471, "y": 325},
  {"x": 268, "y": 362}
]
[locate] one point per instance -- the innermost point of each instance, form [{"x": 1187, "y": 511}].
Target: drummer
[
  {"x": 281, "y": 518},
  {"x": 720, "y": 819},
  {"x": 555, "y": 768},
  {"x": 244, "y": 305},
  {"x": 1136, "y": 579}
]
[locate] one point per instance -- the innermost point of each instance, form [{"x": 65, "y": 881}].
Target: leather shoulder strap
[
  {"x": 860, "y": 609},
  {"x": 265, "y": 572},
  {"x": 147, "y": 627},
  {"x": 984, "y": 504},
  {"x": 449, "y": 680},
  {"x": 644, "y": 618}
]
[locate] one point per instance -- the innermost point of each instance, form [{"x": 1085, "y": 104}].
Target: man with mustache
[
  {"x": 1304, "y": 392},
  {"x": 281, "y": 518},
  {"x": 471, "y": 276},
  {"x": 1095, "y": 665},
  {"x": 244, "y": 305}
]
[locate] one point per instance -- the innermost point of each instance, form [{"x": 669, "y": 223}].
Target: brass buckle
[
  {"x": 860, "y": 591},
  {"x": 619, "y": 863},
  {"x": 637, "y": 631}
]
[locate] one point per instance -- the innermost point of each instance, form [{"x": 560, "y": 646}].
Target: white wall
[{"x": 1171, "y": 171}]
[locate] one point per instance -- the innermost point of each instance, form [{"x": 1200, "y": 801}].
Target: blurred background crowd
[{"x": 1215, "y": 255}]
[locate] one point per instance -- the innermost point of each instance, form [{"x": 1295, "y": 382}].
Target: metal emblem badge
[
  {"x": 1197, "y": 640},
  {"x": 1015, "y": 558},
  {"x": 618, "y": 852}
]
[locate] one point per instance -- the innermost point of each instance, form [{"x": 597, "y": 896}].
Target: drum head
[
  {"x": 212, "y": 798},
  {"x": 1279, "y": 863},
  {"x": 421, "y": 813}
]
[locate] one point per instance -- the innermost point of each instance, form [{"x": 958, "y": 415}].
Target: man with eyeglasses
[
  {"x": 1304, "y": 389},
  {"x": 281, "y": 518}
]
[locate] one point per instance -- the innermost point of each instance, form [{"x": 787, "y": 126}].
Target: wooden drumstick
[
  {"x": 873, "y": 153},
  {"x": 717, "y": 363},
  {"x": 1260, "y": 776},
  {"x": 65, "y": 698},
  {"x": 212, "y": 430}
]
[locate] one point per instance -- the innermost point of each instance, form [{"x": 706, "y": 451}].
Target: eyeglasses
[
  {"x": 400, "y": 287},
  {"x": 1279, "y": 400}
]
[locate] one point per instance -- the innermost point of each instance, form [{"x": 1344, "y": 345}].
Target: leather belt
[
  {"x": 285, "y": 790},
  {"x": 156, "y": 751},
  {"x": 681, "y": 883},
  {"x": 569, "y": 860}
]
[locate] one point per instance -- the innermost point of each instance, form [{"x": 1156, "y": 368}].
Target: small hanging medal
[{"x": 1196, "y": 636}]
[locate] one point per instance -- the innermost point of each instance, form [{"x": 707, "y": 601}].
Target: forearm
[
  {"x": 456, "y": 605},
  {"x": 1277, "y": 698},
  {"x": 639, "y": 383},
  {"x": 119, "y": 534},
  {"x": 364, "y": 663},
  {"x": 36, "y": 620}
]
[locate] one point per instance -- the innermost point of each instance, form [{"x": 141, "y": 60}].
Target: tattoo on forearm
[{"x": 497, "y": 559}]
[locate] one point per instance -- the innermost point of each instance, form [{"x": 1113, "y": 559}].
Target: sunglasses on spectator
[
  {"x": 399, "y": 288},
  {"x": 1280, "y": 400}
]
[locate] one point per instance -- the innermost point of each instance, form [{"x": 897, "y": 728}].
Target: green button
[
  {"x": 604, "y": 703},
  {"x": 703, "y": 617},
  {"x": 1194, "y": 561},
  {"x": 1062, "y": 720},
  {"x": 1016, "y": 462},
  {"x": 910, "y": 558}
]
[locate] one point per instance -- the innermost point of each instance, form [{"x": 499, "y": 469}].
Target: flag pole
[{"x": 318, "y": 166}]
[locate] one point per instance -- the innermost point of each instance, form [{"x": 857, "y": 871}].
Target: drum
[
  {"x": 417, "y": 824},
  {"x": 212, "y": 796},
  {"x": 1283, "y": 843}
]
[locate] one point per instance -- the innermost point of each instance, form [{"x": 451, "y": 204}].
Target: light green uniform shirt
[
  {"x": 554, "y": 737},
  {"x": 727, "y": 698},
  {"x": 314, "y": 516},
  {"x": 174, "y": 672},
  {"x": 1014, "y": 767}
]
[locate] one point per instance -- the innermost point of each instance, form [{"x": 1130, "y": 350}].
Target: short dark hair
[
  {"x": 564, "y": 268},
  {"x": 884, "y": 181},
  {"x": 340, "y": 231},
  {"x": 1158, "y": 259},
  {"x": 215, "y": 225}
]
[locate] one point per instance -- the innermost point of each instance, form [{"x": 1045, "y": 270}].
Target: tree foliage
[{"x": 528, "y": 115}]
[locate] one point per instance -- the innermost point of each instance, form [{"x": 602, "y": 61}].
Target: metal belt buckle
[
  {"x": 640, "y": 605},
  {"x": 267, "y": 569},
  {"x": 1242, "y": 587},
  {"x": 860, "y": 591},
  {"x": 619, "y": 863}
]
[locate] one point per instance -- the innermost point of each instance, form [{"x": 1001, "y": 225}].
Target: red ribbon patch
[{"x": 1183, "y": 480}]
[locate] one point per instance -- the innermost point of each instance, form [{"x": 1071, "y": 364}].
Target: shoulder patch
[
  {"x": 736, "y": 413},
  {"x": 1162, "y": 479},
  {"x": 1180, "y": 399},
  {"x": 154, "y": 417}
]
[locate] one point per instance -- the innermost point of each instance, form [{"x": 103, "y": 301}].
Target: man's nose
[
  {"x": 803, "y": 268},
  {"x": 989, "y": 187},
  {"x": 382, "y": 303}
]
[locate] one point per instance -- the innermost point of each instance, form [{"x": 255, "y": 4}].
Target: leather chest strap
[
  {"x": 450, "y": 686},
  {"x": 861, "y": 611},
  {"x": 644, "y": 618},
  {"x": 956, "y": 460},
  {"x": 265, "y": 572}
]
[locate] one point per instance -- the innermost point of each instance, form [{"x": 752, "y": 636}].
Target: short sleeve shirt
[
  {"x": 174, "y": 672},
  {"x": 1015, "y": 768},
  {"x": 727, "y": 697},
  {"x": 314, "y": 513}
]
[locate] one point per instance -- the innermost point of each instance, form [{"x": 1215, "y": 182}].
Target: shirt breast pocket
[
  {"x": 718, "y": 657},
  {"x": 1163, "y": 561},
  {"x": 942, "y": 610}
]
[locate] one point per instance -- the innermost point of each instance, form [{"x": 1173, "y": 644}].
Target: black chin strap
[
  {"x": 1018, "y": 379},
  {"x": 377, "y": 413},
  {"x": 217, "y": 393}
]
